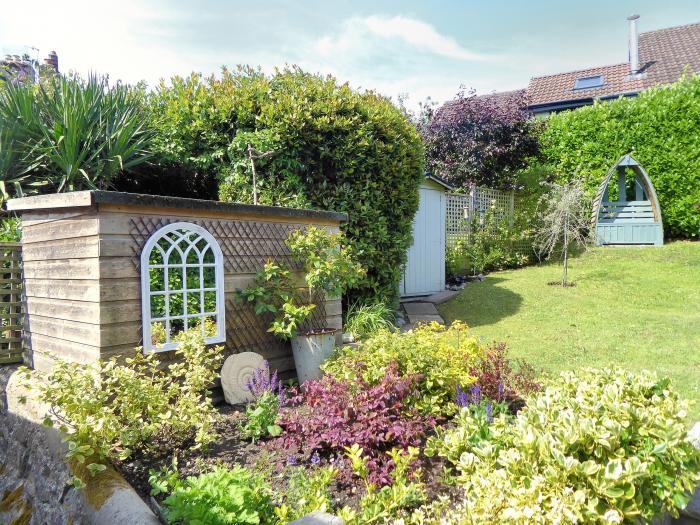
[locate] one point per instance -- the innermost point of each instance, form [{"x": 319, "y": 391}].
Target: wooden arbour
[{"x": 624, "y": 222}]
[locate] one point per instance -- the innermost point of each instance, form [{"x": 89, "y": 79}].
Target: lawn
[{"x": 632, "y": 307}]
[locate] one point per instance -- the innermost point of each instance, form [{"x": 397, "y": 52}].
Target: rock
[
  {"x": 694, "y": 435},
  {"x": 348, "y": 338},
  {"x": 693, "y": 508},
  {"x": 237, "y": 371},
  {"x": 318, "y": 518}
]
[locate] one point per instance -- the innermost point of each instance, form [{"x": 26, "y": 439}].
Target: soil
[{"x": 230, "y": 449}]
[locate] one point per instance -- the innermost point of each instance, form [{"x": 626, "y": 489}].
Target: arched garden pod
[{"x": 623, "y": 221}]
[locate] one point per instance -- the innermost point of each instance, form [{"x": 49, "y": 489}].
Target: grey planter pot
[{"x": 310, "y": 351}]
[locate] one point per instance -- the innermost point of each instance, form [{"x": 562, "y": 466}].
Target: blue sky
[{"x": 418, "y": 48}]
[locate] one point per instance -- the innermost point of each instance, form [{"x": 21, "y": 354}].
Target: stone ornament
[{"x": 237, "y": 371}]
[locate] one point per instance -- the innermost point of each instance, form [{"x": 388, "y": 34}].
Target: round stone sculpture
[{"x": 237, "y": 371}]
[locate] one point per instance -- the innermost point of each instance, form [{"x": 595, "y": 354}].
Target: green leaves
[
  {"x": 658, "y": 128},
  {"x": 222, "y": 497},
  {"x": 593, "y": 446},
  {"x": 108, "y": 409},
  {"x": 261, "y": 417},
  {"x": 67, "y": 134}
]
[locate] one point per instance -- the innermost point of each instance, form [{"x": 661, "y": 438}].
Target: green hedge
[
  {"x": 660, "y": 128},
  {"x": 334, "y": 148}
]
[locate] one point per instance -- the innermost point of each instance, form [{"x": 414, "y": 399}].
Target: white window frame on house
[{"x": 189, "y": 235}]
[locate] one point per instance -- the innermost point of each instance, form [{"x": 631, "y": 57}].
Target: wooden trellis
[
  {"x": 11, "y": 306},
  {"x": 462, "y": 209}
]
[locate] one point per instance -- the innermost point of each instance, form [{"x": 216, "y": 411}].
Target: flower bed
[{"x": 426, "y": 427}]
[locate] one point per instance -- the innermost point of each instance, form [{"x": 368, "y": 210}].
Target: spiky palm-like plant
[{"x": 72, "y": 134}]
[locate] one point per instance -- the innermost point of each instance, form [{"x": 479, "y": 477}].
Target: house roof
[{"x": 664, "y": 54}]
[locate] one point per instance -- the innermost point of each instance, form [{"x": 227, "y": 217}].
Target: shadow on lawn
[{"x": 484, "y": 303}]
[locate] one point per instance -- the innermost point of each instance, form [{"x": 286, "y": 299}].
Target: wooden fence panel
[{"x": 11, "y": 302}]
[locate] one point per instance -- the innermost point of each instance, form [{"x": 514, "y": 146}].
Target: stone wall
[{"x": 35, "y": 479}]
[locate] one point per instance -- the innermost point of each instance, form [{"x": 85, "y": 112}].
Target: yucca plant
[{"x": 72, "y": 134}]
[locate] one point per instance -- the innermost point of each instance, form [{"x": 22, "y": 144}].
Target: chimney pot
[
  {"x": 633, "y": 45},
  {"x": 52, "y": 60}
]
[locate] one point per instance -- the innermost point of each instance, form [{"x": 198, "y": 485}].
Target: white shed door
[{"x": 425, "y": 268}]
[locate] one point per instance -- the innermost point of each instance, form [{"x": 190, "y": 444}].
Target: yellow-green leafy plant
[
  {"x": 329, "y": 261},
  {"x": 595, "y": 446},
  {"x": 329, "y": 267},
  {"x": 389, "y": 503},
  {"x": 108, "y": 409},
  {"x": 441, "y": 356},
  {"x": 307, "y": 492}
]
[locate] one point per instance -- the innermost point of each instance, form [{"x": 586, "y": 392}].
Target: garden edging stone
[
  {"x": 693, "y": 508},
  {"x": 318, "y": 518},
  {"x": 38, "y": 475}
]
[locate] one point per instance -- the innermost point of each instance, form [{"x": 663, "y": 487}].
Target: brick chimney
[{"x": 52, "y": 60}]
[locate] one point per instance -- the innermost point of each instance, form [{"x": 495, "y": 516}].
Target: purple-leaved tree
[{"x": 479, "y": 140}]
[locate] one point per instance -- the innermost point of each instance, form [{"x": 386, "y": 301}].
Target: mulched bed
[{"x": 230, "y": 449}]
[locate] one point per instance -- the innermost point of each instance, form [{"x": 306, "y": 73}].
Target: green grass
[{"x": 631, "y": 307}]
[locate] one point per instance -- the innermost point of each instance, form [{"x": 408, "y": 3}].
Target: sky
[{"x": 410, "y": 48}]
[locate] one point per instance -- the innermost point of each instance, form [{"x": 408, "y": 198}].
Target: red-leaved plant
[
  {"x": 328, "y": 415},
  {"x": 497, "y": 378}
]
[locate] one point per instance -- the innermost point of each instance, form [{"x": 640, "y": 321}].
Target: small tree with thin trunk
[{"x": 564, "y": 222}]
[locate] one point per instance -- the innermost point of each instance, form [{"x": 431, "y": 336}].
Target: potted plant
[{"x": 329, "y": 269}]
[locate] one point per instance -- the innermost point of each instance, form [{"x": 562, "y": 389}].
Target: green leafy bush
[
  {"x": 659, "y": 128},
  {"x": 107, "y": 409},
  {"x": 495, "y": 243},
  {"x": 334, "y": 149},
  {"x": 389, "y": 503},
  {"x": 364, "y": 320},
  {"x": 595, "y": 446},
  {"x": 442, "y": 357},
  {"x": 222, "y": 497},
  {"x": 11, "y": 229}
]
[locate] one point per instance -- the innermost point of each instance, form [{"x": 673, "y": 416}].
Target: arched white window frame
[{"x": 146, "y": 291}]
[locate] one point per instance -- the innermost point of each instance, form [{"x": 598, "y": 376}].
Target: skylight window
[{"x": 589, "y": 82}]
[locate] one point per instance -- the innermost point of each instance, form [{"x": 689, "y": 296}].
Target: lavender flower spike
[
  {"x": 461, "y": 397},
  {"x": 489, "y": 412},
  {"x": 475, "y": 394}
]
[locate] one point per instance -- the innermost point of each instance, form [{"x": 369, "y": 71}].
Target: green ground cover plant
[
  {"x": 659, "y": 128},
  {"x": 637, "y": 308}
]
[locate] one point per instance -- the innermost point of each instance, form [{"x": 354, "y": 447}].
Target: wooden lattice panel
[
  {"x": 462, "y": 209},
  {"x": 11, "y": 303}
]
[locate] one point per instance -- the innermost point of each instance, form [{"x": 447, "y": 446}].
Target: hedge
[
  {"x": 660, "y": 128},
  {"x": 330, "y": 148}
]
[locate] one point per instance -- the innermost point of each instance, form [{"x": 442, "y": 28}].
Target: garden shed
[
  {"x": 425, "y": 267},
  {"x": 102, "y": 268}
]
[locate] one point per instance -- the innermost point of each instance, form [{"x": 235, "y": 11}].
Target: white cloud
[{"x": 357, "y": 31}]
